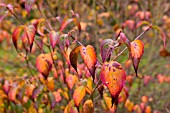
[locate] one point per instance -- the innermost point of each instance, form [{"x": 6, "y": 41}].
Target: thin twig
[
  {"x": 44, "y": 17},
  {"x": 55, "y": 67},
  {"x": 107, "y": 53},
  {"x": 17, "y": 50},
  {"x": 16, "y": 16},
  {"x": 29, "y": 67},
  {"x": 75, "y": 39},
  {"x": 135, "y": 39}
]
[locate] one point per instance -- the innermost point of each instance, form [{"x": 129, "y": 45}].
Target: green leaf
[{"x": 28, "y": 104}]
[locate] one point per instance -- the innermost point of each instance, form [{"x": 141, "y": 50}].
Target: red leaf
[
  {"x": 79, "y": 94},
  {"x": 15, "y": 35},
  {"x": 130, "y": 24},
  {"x": 28, "y": 5},
  {"x": 54, "y": 38},
  {"x": 65, "y": 22},
  {"x": 6, "y": 86},
  {"x": 122, "y": 39},
  {"x": 71, "y": 80},
  {"x": 30, "y": 32},
  {"x": 113, "y": 76},
  {"x": 74, "y": 56},
  {"x": 12, "y": 93},
  {"x": 78, "y": 24},
  {"x": 89, "y": 57},
  {"x": 44, "y": 64},
  {"x": 137, "y": 50},
  {"x": 25, "y": 42},
  {"x": 57, "y": 96}
]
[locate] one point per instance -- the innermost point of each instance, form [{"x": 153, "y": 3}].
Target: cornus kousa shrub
[{"x": 71, "y": 75}]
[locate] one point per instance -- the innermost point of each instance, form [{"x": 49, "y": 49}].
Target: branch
[{"x": 135, "y": 39}]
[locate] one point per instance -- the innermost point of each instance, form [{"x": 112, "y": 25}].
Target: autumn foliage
[{"x": 69, "y": 68}]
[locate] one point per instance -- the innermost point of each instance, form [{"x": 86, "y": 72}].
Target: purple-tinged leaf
[
  {"x": 59, "y": 19},
  {"x": 104, "y": 46},
  {"x": 10, "y": 8},
  {"x": 37, "y": 91},
  {"x": 28, "y": 5},
  {"x": 122, "y": 39},
  {"x": 54, "y": 38},
  {"x": 3, "y": 16}
]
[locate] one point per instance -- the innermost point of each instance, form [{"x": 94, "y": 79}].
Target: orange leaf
[
  {"x": 50, "y": 83},
  {"x": 88, "y": 107},
  {"x": 29, "y": 89},
  {"x": 113, "y": 76},
  {"x": 70, "y": 108},
  {"x": 44, "y": 64},
  {"x": 129, "y": 105},
  {"x": 137, "y": 50},
  {"x": 79, "y": 94},
  {"x": 148, "y": 109},
  {"x": 89, "y": 57}
]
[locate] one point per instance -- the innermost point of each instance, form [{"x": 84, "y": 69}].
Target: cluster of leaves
[{"x": 74, "y": 86}]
